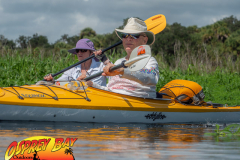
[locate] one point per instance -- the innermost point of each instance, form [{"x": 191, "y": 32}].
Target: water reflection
[
  {"x": 101, "y": 132},
  {"x": 102, "y": 141}
]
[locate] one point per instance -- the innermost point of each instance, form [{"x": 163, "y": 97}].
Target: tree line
[{"x": 223, "y": 35}]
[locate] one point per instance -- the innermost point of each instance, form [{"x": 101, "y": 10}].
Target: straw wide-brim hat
[{"x": 135, "y": 25}]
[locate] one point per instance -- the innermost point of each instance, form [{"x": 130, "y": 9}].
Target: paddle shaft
[
  {"x": 100, "y": 73},
  {"x": 92, "y": 56}
]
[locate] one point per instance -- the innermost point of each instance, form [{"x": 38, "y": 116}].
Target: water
[{"x": 128, "y": 141}]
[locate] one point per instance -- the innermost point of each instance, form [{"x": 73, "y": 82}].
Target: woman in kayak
[
  {"x": 84, "y": 48},
  {"x": 140, "y": 83}
]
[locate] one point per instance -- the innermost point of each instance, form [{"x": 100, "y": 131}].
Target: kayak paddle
[
  {"x": 154, "y": 24},
  {"x": 138, "y": 59}
]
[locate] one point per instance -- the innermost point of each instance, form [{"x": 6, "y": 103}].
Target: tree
[
  {"x": 61, "y": 45},
  {"x": 195, "y": 36},
  {"x": 64, "y": 38},
  {"x": 3, "y": 41},
  {"x": 180, "y": 32},
  {"x": 23, "y": 41},
  {"x": 72, "y": 40},
  {"x": 232, "y": 23},
  {"x": 38, "y": 41},
  {"x": 192, "y": 29},
  {"x": 98, "y": 41},
  {"x": 166, "y": 39},
  {"x": 110, "y": 39},
  {"x": 11, "y": 44},
  {"x": 69, "y": 151},
  {"x": 87, "y": 32},
  {"x": 217, "y": 32},
  {"x": 220, "y": 30},
  {"x": 207, "y": 34},
  {"x": 233, "y": 42}
]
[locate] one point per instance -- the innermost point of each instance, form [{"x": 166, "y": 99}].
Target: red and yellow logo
[
  {"x": 41, "y": 147},
  {"x": 141, "y": 50}
]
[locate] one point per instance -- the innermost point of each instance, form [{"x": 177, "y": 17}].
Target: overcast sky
[{"x": 53, "y": 18}]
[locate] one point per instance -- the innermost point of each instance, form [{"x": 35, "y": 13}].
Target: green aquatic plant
[{"x": 231, "y": 130}]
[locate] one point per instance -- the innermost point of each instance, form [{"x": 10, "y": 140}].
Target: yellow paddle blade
[{"x": 156, "y": 23}]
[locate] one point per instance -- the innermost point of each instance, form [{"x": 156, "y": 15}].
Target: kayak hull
[
  {"x": 60, "y": 104},
  {"x": 33, "y": 113}
]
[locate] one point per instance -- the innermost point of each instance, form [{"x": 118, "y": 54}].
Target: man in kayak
[
  {"x": 140, "y": 83},
  {"x": 84, "y": 48}
]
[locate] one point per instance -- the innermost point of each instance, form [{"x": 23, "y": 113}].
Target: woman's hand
[
  {"x": 90, "y": 83},
  {"x": 102, "y": 57},
  {"x": 48, "y": 77},
  {"x": 106, "y": 70},
  {"x": 83, "y": 76},
  {"x": 99, "y": 52}
]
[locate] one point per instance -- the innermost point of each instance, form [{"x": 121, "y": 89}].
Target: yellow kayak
[{"x": 74, "y": 103}]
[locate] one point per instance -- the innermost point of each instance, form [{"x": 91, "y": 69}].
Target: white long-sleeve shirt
[
  {"x": 140, "y": 83},
  {"x": 75, "y": 72}
]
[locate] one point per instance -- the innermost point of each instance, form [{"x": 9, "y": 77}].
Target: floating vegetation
[{"x": 231, "y": 130}]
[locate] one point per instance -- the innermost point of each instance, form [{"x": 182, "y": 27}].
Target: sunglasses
[
  {"x": 134, "y": 36},
  {"x": 81, "y": 50}
]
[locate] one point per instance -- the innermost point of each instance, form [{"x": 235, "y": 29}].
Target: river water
[{"x": 129, "y": 141}]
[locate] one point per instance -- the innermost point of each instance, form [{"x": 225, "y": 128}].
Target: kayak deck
[{"x": 96, "y": 99}]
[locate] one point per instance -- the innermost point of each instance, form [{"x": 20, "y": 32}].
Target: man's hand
[{"x": 106, "y": 70}]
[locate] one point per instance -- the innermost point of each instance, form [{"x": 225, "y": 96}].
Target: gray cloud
[{"x": 54, "y": 18}]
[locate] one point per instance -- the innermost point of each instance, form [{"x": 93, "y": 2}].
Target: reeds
[{"x": 202, "y": 61}]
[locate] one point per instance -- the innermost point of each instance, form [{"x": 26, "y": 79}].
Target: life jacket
[{"x": 183, "y": 91}]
